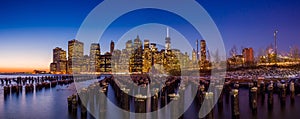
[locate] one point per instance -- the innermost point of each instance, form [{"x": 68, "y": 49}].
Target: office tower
[
  {"x": 248, "y": 55},
  {"x": 129, "y": 46},
  {"x": 95, "y": 54},
  {"x": 194, "y": 55},
  {"x": 137, "y": 43},
  {"x": 85, "y": 66},
  {"x": 136, "y": 60},
  {"x": 146, "y": 44},
  {"x": 53, "y": 67},
  {"x": 59, "y": 64},
  {"x": 105, "y": 62},
  {"x": 112, "y": 46},
  {"x": 203, "y": 50},
  {"x": 75, "y": 56},
  {"x": 146, "y": 56},
  {"x": 197, "y": 52}
]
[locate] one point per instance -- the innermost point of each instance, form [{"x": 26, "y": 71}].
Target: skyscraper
[
  {"x": 194, "y": 58},
  {"x": 59, "y": 64},
  {"x": 75, "y": 56},
  {"x": 95, "y": 54},
  {"x": 197, "y": 52},
  {"x": 136, "y": 59},
  {"x": 203, "y": 50},
  {"x": 146, "y": 44},
  {"x": 168, "y": 41}
]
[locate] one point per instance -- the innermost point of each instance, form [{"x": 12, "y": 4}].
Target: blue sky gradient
[{"x": 30, "y": 29}]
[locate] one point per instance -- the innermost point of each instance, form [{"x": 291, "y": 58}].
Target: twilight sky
[{"x": 30, "y": 29}]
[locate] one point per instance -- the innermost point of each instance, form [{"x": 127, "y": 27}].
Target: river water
[{"x": 52, "y": 104}]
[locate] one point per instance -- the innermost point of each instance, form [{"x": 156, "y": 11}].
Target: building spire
[{"x": 168, "y": 33}]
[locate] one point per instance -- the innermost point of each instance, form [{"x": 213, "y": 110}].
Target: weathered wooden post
[
  {"x": 219, "y": 92},
  {"x": 103, "y": 103},
  {"x": 282, "y": 94},
  {"x": 74, "y": 105},
  {"x": 253, "y": 100},
  {"x": 292, "y": 92},
  {"x": 174, "y": 109},
  {"x": 235, "y": 111},
  {"x": 270, "y": 96},
  {"x": 83, "y": 98},
  {"x": 209, "y": 98},
  {"x": 140, "y": 105}
]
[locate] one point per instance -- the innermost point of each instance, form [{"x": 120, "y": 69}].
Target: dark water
[
  {"x": 45, "y": 104},
  {"x": 52, "y": 104}
]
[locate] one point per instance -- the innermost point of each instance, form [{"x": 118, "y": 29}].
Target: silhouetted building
[{"x": 112, "y": 46}]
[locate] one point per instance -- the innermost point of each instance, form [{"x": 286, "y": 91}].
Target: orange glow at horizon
[{"x": 10, "y": 70}]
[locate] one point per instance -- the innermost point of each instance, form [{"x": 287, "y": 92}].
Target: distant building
[
  {"x": 59, "y": 64},
  {"x": 203, "y": 60},
  {"x": 147, "y": 57},
  {"x": 146, "y": 44},
  {"x": 203, "y": 50},
  {"x": 197, "y": 51},
  {"x": 75, "y": 56},
  {"x": 236, "y": 61},
  {"x": 112, "y": 46},
  {"x": 39, "y": 72},
  {"x": 105, "y": 62},
  {"x": 136, "y": 59},
  {"x": 129, "y": 46},
  {"x": 194, "y": 56},
  {"x": 248, "y": 56}
]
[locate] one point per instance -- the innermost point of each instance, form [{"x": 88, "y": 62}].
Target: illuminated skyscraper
[
  {"x": 197, "y": 52},
  {"x": 203, "y": 50},
  {"x": 146, "y": 44},
  {"x": 146, "y": 56},
  {"x": 136, "y": 59},
  {"x": 59, "y": 64},
  {"x": 75, "y": 56},
  {"x": 95, "y": 54},
  {"x": 129, "y": 46},
  {"x": 194, "y": 55}
]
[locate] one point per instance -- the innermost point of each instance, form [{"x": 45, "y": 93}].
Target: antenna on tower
[{"x": 168, "y": 33}]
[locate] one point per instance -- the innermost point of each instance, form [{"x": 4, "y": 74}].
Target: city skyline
[{"x": 241, "y": 23}]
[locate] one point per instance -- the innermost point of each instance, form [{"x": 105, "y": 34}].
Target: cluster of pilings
[
  {"x": 260, "y": 88},
  {"x": 29, "y": 84},
  {"x": 90, "y": 100},
  {"x": 151, "y": 95}
]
